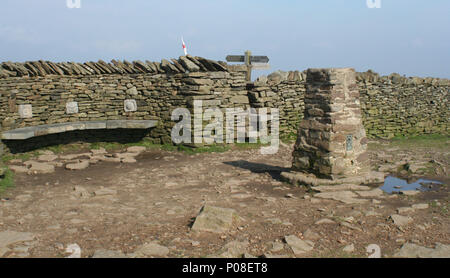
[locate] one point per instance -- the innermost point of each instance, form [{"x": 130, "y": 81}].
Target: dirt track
[{"x": 158, "y": 198}]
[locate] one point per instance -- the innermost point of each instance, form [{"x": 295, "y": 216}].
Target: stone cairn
[{"x": 331, "y": 142}]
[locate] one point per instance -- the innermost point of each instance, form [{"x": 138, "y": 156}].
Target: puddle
[{"x": 393, "y": 184}]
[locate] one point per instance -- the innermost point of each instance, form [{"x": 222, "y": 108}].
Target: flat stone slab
[
  {"x": 420, "y": 206},
  {"x": 152, "y": 249},
  {"x": 401, "y": 220},
  {"x": 233, "y": 249},
  {"x": 372, "y": 193},
  {"x": 18, "y": 169},
  {"x": 342, "y": 187},
  {"x": 410, "y": 250},
  {"x": 105, "y": 192},
  {"x": 346, "y": 197},
  {"x": 11, "y": 237},
  {"x": 136, "y": 149},
  {"x": 404, "y": 210},
  {"x": 108, "y": 254},
  {"x": 41, "y": 168},
  {"x": 33, "y": 131},
  {"x": 214, "y": 219},
  {"x": 299, "y": 246},
  {"x": 78, "y": 166},
  {"x": 324, "y": 221},
  {"x": 312, "y": 180},
  {"x": 47, "y": 157}
]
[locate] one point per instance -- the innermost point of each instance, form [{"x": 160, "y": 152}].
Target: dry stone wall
[
  {"x": 391, "y": 105},
  {"x": 394, "y": 105},
  {"x": 48, "y": 99},
  {"x": 42, "y": 92}
]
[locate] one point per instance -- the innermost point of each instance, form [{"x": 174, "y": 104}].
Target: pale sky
[{"x": 410, "y": 37}]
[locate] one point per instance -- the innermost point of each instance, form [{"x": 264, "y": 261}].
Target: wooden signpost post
[{"x": 252, "y": 62}]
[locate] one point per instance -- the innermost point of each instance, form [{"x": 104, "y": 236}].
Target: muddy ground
[{"x": 158, "y": 198}]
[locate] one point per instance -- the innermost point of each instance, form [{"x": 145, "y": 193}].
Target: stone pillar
[{"x": 331, "y": 143}]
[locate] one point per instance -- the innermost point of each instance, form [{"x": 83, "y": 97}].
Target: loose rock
[
  {"x": 152, "y": 249},
  {"x": 78, "y": 166},
  {"x": 299, "y": 246},
  {"x": 400, "y": 220},
  {"x": 410, "y": 250},
  {"x": 214, "y": 219}
]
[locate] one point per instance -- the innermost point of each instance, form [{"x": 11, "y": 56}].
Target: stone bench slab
[{"x": 33, "y": 131}]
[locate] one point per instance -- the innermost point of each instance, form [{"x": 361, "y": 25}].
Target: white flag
[{"x": 184, "y": 46}]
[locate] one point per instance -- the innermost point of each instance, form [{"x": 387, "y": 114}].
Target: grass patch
[
  {"x": 112, "y": 146},
  {"x": 57, "y": 149},
  {"x": 7, "y": 181},
  {"x": 247, "y": 145},
  {"x": 442, "y": 207},
  {"x": 22, "y": 156},
  {"x": 109, "y": 146},
  {"x": 424, "y": 141},
  {"x": 289, "y": 137}
]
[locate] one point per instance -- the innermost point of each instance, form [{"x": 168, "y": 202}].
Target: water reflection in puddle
[{"x": 393, "y": 184}]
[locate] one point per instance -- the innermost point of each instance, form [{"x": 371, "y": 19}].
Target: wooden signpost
[{"x": 252, "y": 62}]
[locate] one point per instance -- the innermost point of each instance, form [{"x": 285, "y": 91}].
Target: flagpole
[{"x": 184, "y": 46}]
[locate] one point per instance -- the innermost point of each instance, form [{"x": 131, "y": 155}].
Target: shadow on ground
[
  {"x": 273, "y": 171},
  {"x": 122, "y": 136}
]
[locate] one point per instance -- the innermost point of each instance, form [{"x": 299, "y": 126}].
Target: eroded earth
[{"x": 144, "y": 203}]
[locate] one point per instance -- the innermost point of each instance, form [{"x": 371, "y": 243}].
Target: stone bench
[{"x": 34, "y": 131}]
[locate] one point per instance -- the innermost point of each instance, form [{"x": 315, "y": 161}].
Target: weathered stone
[
  {"x": 324, "y": 221},
  {"x": 409, "y": 192},
  {"x": 81, "y": 192},
  {"x": 136, "y": 149},
  {"x": 18, "y": 169},
  {"x": 343, "y": 187},
  {"x": 299, "y": 246},
  {"x": 188, "y": 64},
  {"x": 25, "y": 111},
  {"x": 309, "y": 234},
  {"x": 10, "y": 237},
  {"x": 105, "y": 192},
  {"x": 71, "y": 157},
  {"x": 99, "y": 151},
  {"x": 372, "y": 193},
  {"x": 277, "y": 246},
  {"x": 214, "y": 219},
  {"x": 128, "y": 160},
  {"x": 233, "y": 249},
  {"x": 239, "y": 99},
  {"x": 41, "y": 168},
  {"x": 349, "y": 248},
  {"x": 400, "y": 220},
  {"x": 420, "y": 206},
  {"x": 72, "y": 107},
  {"x": 410, "y": 250},
  {"x": 152, "y": 249},
  {"x": 108, "y": 254},
  {"x": 346, "y": 197},
  {"x": 47, "y": 157},
  {"x": 78, "y": 166},
  {"x": 130, "y": 105},
  {"x": 404, "y": 210}
]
